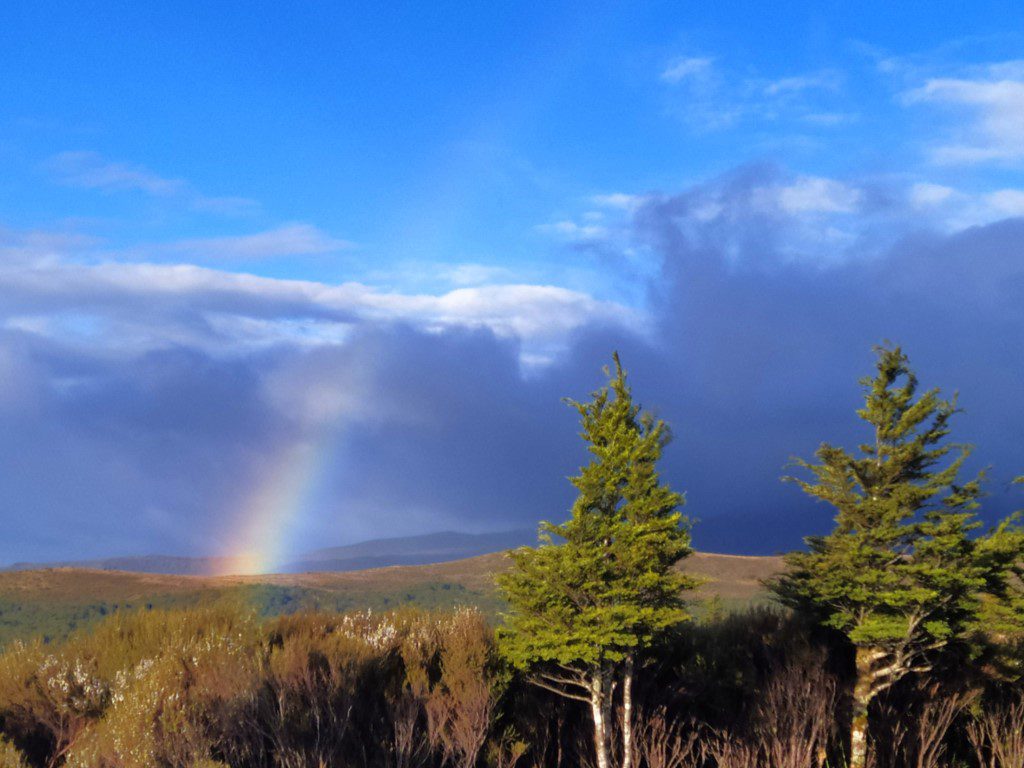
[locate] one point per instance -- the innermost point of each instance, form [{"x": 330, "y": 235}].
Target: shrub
[
  {"x": 996, "y": 734},
  {"x": 318, "y": 676},
  {"x": 10, "y": 756},
  {"x": 48, "y": 699},
  {"x": 189, "y": 703}
]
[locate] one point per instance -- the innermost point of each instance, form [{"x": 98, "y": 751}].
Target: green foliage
[
  {"x": 580, "y": 610},
  {"x": 608, "y": 587},
  {"x": 902, "y": 569},
  {"x": 55, "y": 620},
  {"x": 903, "y": 575}
]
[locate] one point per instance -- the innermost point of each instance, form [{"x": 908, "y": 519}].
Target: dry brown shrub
[
  {"x": 420, "y": 651},
  {"x": 50, "y": 696},
  {"x": 404, "y": 713},
  {"x": 916, "y": 737},
  {"x": 789, "y": 726},
  {"x": 795, "y": 712},
  {"x": 447, "y": 686},
  {"x": 317, "y": 675},
  {"x": 727, "y": 752},
  {"x": 665, "y": 743},
  {"x": 10, "y": 755},
  {"x": 208, "y": 687},
  {"x": 507, "y": 751},
  {"x": 178, "y": 709},
  {"x": 127, "y": 638},
  {"x": 465, "y": 690},
  {"x": 997, "y": 734}
]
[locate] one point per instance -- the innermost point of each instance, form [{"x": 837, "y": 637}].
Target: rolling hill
[
  {"x": 51, "y": 603},
  {"x": 375, "y": 553}
]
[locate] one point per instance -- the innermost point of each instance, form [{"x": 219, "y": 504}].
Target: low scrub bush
[{"x": 216, "y": 687}]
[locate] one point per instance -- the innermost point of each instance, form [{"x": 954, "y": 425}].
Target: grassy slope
[{"x": 53, "y": 602}]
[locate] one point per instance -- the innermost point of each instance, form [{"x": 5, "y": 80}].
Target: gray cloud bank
[{"x": 139, "y": 404}]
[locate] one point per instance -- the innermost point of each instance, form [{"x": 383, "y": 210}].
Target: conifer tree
[
  {"x": 579, "y": 610},
  {"x": 902, "y": 575}
]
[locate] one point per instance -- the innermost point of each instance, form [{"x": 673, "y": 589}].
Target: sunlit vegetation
[
  {"x": 219, "y": 686},
  {"x": 36, "y": 614},
  {"x": 51, "y": 605},
  {"x": 216, "y": 686}
]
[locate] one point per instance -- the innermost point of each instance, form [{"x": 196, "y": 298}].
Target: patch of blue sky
[{"x": 468, "y": 134}]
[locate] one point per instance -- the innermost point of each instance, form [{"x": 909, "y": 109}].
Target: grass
[{"x": 54, "y": 603}]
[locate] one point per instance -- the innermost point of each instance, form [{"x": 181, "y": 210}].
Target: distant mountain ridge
[
  {"x": 165, "y": 564},
  {"x": 426, "y": 549},
  {"x": 411, "y": 550}
]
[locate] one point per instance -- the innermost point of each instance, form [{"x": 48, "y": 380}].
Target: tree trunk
[
  {"x": 627, "y": 713},
  {"x": 861, "y": 701},
  {"x": 598, "y": 703}
]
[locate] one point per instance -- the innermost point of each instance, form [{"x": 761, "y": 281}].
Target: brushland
[
  {"x": 50, "y": 604},
  {"x": 217, "y": 687}
]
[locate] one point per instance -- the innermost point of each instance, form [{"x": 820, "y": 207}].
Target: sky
[{"x": 281, "y": 276}]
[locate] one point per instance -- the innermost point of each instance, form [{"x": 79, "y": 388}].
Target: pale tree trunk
[
  {"x": 862, "y": 695},
  {"x": 598, "y": 709},
  {"x": 627, "y": 713}
]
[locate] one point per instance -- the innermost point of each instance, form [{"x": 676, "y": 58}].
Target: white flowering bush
[
  {"x": 50, "y": 697},
  {"x": 176, "y": 709}
]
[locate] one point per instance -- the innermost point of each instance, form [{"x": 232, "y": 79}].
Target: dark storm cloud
[
  {"x": 158, "y": 452},
  {"x": 445, "y": 434},
  {"x": 758, "y": 353},
  {"x": 772, "y": 291},
  {"x": 121, "y": 455}
]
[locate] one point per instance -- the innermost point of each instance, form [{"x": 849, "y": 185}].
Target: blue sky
[{"x": 271, "y": 208}]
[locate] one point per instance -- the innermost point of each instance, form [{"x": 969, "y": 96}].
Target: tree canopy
[
  {"x": 904, "y": 573},
  {"x": 580, "y": 609}
]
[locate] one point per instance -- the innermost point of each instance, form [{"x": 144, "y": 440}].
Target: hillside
[
  {"x": 421, "y": 549},
  {"x": 53, "y": 602},
  {"x": 410, "y": 550}
]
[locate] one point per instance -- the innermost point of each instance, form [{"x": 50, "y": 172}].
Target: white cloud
[
  {"x": 1007, "y": 202},
  {"x": 827, "y": 80},
  {"x": 710, "y": 98},
  {"x": 35, "y": 245},
  {"x": 618, "y": 200},
  {"x": 811, "y": 194},
  {"x": 124, "y": 308},
  {"x": 293, "y": 239},
  {"x": 683, "y": 68},
  {"x": 952, "y": 210},
  {"x": 570, "y": 230},
  {"x": 90, "y": 170},
  {"x": 996, "y": 107},
  {"x": 473, "y": 274},
  {"x": 926, "y": 195},
  {"x": 529, "y": 312}
]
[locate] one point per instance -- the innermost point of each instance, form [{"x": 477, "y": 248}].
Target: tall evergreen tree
[
  {"x": 580, "y": 610},
  {"x": 902, "y": 575}
]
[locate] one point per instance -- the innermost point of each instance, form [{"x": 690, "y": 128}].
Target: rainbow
[{"x": 264, "y": 526}]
